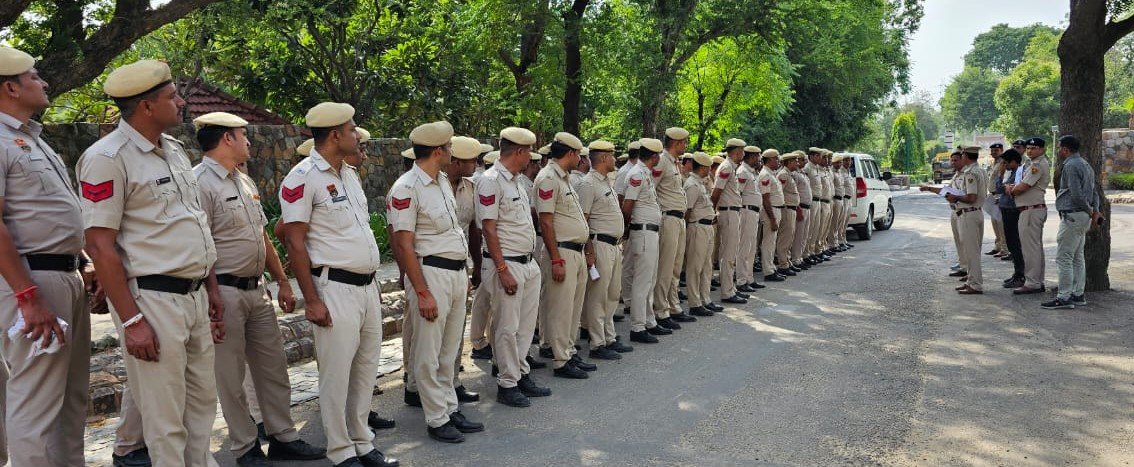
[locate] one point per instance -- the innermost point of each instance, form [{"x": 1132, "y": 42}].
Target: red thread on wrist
[
  {"x": 559, "y": 262},
  {"x": 421, "y": 293},
  {"x": 26, "y": 295}
]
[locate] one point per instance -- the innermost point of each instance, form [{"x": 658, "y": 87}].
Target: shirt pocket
[
  {"x": 234, "y": 212},
  {"x": 440, "y": 218},
  {"x": 339, "y": 216},
  {"x": 164, "y": 192},
  {"x": 41, "y": 176}
]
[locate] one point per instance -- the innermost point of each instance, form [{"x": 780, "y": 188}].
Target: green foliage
[
  {"x": 381, "y": 235},
  {"x": 907, "y": 145},
  {"x": 1122, "y": 181},
  {"x": 1002, "y": 48},
  {"x": 1028, "y": 98},
  {"x": 969, "y": 99}
]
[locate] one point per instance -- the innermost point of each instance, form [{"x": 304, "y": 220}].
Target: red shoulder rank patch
[
  {"x": 742, "y": 179},
  {"x": 291, "y": 194},
  {"x": 724, "y": 175},
  {"x": 766, "y": 182},
  {"x": 96, "y": 192},
  {"x": 635, "y": 182},
  {"x": 399, "y": 204},
  {"x": 657, "y": 173},
  {"x": 488, "y": 200},
  {"x": 546, "y": 194},
  {"x": 783, "y": 180}
]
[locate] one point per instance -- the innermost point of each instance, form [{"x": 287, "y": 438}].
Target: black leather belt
[
  {"x": 650, "y": 227},
  {"x": 345, "y": 277},
  {"x": 964, "y": 210},
  {"x": 522, "y": 259},
  {"x": 242, "y": 283},
  {"x": 705, "y": 222},
  {"x": 610, "y": 239},
  {"x": 170, "y": 284},
  {"x": 777, "y": 207},
  {"x": 444, "y": 263},
  {"x": 824, "y": 201},
  {"x": 805, "y": 206},
  {"x": 789, "y": 207},
  {"x": 677, "y": 214},
  {"x": 730, "y": 208},
  {"x": 815, "y": 200},
  {"x": 65, "y": 263},
  {"x": 753, "y": 207},
  {"x": 571, "y": 246}
]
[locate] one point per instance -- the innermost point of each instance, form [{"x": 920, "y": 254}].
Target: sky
[{"x": 949, "y": 27}]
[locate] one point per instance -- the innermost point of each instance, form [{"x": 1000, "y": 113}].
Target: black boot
[
  {"x": 378, "y": 423},
  {"x": 700, "y": 311},
  {"x": 529, "y": 388},
  {"x": 643, "y": 337},
  {"x": 446, "y": 433},
  {"x": 412, "y": 398},
  {"x": 512, "y": 397},
  {"x": 466, "y": 396},
  {"x": 297, "y": 450}
]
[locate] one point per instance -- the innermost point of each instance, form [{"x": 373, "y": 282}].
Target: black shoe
[
  {"x": 785, "y": 272},
  {"x": 620, "y": 347},
  {"x": 735, "y": 299},
  {"x": 802, "y": 267},
  {"x": 603, "y": 353},
  {"x": 715, "y": 283},
  {"x": 378, "y": 423},
  {"x": 375, "y": 458},
  {"x": 545, "y": 352},
  {"x": 496, "y": 370},
  {"x": 512, "y": 397},
  {"x": 297, "y": 450},
  {"x": 463, "y": 424},
  {"x": 1079, "y": 300},
  {"x": 700, "y": 311},
  {"x": 1013, "y": 279},
  {"x": 1057, "y": 303},
  {"x": 774, "y": 278},
  {"x": 529, "y": 388},
  {"x": 350, "y": 462},
  {"x": 482, "y": 353},
  {"x": 681, "y": 296},
  {"x": 412, "y": 398},
  {"x": 714, "y": 307},
  {"x": 570, "y": 371},
  {"x": 135, "y": 458},
  {"x": 682, "y": 318},
  {"x": 254, "y": 458},
  {"x": 618, "y": 318},
  {"x": 584, "y": 334},
  {"x": 446, "y": 433},
  {"x": 466, "y": 396},
  {"x": 668, "y": 323},
  {"x": 261, "y": 433},
  {"x": 626, "y": 311},
  {"x": 713, "y": 288},
  {"x": 745, "y": 288},
  {"x": 743, "y": 295},
  {"x": 756, "y": 286},
  {"x": 535, "y": 364},
  {"x": 958, "y": 273},
  {"x": 643, "y": 337},
  {"x": 580, "y": 364},
  {"x": 1014, "y": 284},
  {"x": 795, "y": 269},
  {"x": 659, "y": 330}
]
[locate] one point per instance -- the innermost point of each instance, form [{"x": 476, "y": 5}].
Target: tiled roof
[{"x": 202, "y": 98}]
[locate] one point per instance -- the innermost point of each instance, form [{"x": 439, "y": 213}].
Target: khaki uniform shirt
[
  {"x": 427, "y": 207},
  {"x": 598, "y": 201},
  {"x": 554, "y": 194},
  {"x": 525, "y": 183},
  {"x": 575, "y": 176},
  {"x": 699, "y": 204},
  {"x": 815, "y": 180},
  {"x": 466, "y": 202},
  {"x": 746, "y": 178},
  {"x": 787, "y": 181},
  {"x": 237, "y": 220},
  {"x": 990, "y": 182},
  {"x": 671, "y": 194},
  {"x": 640, "y": 189},
  {"x": 333, "y": 206},
  {"x": 836, "y": 181},
  {"x": 1037, "y": 175},
  {"x": 149, "y": 195},
  {"x": 972, "y": 180},
  {"x": 728, "y": 183},
  {"x": 620, "y": 178},
  {"x": 501, "y": 198},
  {"x": 803, "y": 184},
  {"x": 848, "y": 184},
  {"x": 825, "y": 177},
  {"x": 41, "y": 209},
  {"x": 770, "y": 184}
]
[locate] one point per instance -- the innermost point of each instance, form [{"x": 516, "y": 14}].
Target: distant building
[{"x": 202, "y": 98}]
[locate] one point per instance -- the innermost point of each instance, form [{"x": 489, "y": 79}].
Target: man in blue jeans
[{"x": 1078, "y": 204}]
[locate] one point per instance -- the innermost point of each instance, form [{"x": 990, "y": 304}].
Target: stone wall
[
  {"x": 1118, "y": 145},
  {"x": 273, "y": 154}
]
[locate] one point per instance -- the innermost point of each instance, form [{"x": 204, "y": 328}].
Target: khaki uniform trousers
[
  {"x": 785, "y": 237},
  {"x": 250, "y": 396},
  {"x": 802, "y": 235},
  {"x": 971, "y": 227},
  {"x": 436, "y": 344},
  {"x": 408, "y": 355},
  {"x": 252, "y": 341},
  {"x": 348, "y": 353},
  {"x": 46, "y": 408},
  {"x": 1031, "y": 243},
  {"x": 514, "y": 321},
  {"x": 128, "y": 436},
  {"x": 3, "y": 398},
  {"x": 538, "y": 256},
  {"x": 678, "y": 268},
  {"x": 957, "y": 242},
  {"x": 178, "y": 393},
  {"x": 729, "y": 224},
  {"x": 669, "y": 249},
  {"x": 698, "y": 264},
  {"x": 564, "y": 304},
  {"x": 819, "y": 226},
  {"x": 479, "y": 335},
  {"x": 749, "y": 246},
  {"x": 643, "y": 252},
  {"x": 601, "y": 299},
  {"x": 1001, "y": 243},
  {"x": 847, "y": 207},
  {"x": 627, "y": 274},
  {"x": 832, "y": 234},
  {"x": 768, "y": 241}
]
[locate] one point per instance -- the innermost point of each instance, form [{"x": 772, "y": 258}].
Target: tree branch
[
  {"x": 10, "y": 11},
  {"x": 1113, "y": 32}
]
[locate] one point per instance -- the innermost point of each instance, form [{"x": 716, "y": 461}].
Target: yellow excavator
[{"x": 942, "y": 168}]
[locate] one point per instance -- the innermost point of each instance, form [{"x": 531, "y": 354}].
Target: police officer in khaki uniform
[
  {"x": 728, "y": 201},
  {"x": 996, "y": 171},
  {"x": 334, "y": 257},
  {"x": 41, "y": 242},
  {"x": 848, "y": 201},
  {"x": 671, "y": 199},
  {"x": 150, "y": 241},
  {"x": 803, "y": 184},
  {"x": 504, "y": 214},
  {"x": 252, "y": 336},
  {"x": 699, "y": 236},
  {"x": 641, "y": 210},
  {"x": 790, "y": 215},
  {"x": 429, "y": 244},
  {"x": 564, "y": 266},
  {"x": 749, "y": 220},
  {"x": 772, "y": 197},
  {"x": 606, "y": 227},
  {"x": 970, "y": 217},
  {"x": 837, "y": 206},
  {"x": 620, "y": 185},
  {"x": 1029, "y": 196},
  {"x": 819, "y": 205}
]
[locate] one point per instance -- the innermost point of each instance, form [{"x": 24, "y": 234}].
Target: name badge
[
  {"x": 336, "y": 199},
  {"x": 164, "y": 180},
  {"x": 231, "y": 198}
]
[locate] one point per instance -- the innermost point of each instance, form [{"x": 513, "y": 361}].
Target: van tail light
[{"x": 860, "y": 184}]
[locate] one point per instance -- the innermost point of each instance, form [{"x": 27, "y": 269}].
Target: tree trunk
[{"x": 573, "y": 69}]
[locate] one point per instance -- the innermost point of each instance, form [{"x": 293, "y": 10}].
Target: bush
[
  {"x": 1122, "y": 181},
  {"x": 377, "y": 224}
]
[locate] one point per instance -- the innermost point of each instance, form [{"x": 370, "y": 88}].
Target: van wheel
[
  {"x": 887, "y": 221},
  {"x": 865, "y": 230}
]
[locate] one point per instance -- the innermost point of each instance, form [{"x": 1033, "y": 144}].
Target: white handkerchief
[
  {"x": 38, "y": 348},
  {"x": 594, "y": 273}
]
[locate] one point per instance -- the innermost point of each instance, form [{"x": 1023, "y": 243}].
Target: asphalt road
[{"x": 868, "y": 359}]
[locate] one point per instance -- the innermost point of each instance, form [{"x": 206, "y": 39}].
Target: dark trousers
[{"x": 1012, "y": 238}]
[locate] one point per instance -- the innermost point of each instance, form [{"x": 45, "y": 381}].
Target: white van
[{"x": 871, "y": 207}]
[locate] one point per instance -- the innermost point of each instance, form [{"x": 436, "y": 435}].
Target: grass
[{"x": 1122, "y": 181}]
